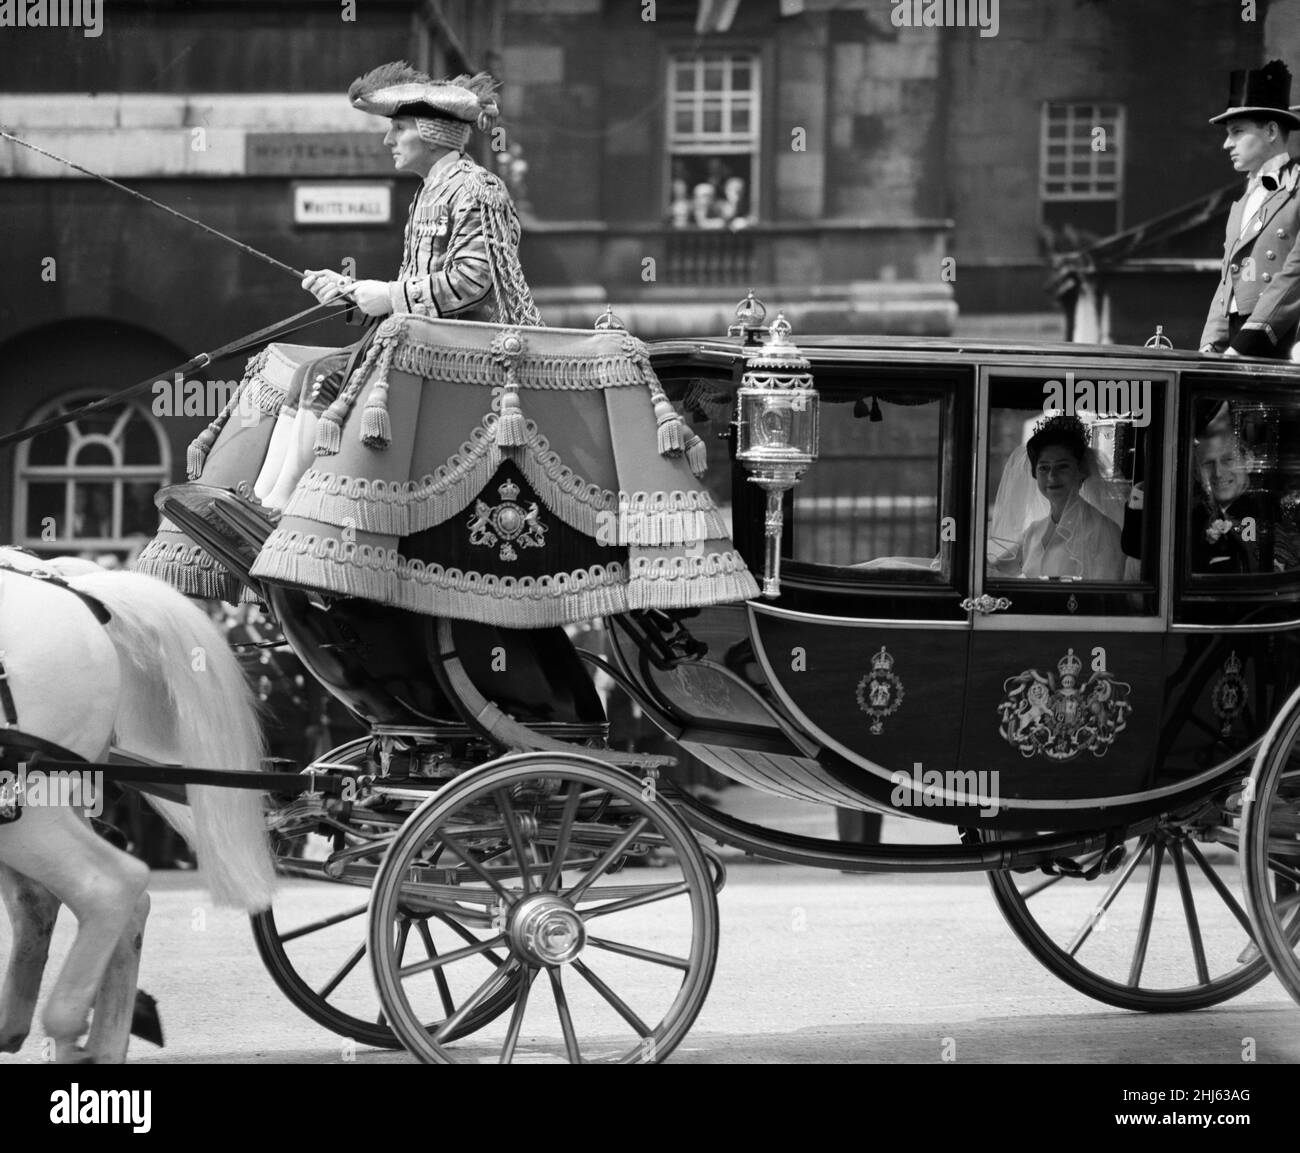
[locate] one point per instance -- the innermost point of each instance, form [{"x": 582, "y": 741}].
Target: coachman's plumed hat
[
  {"x": 444, "y": 110},
  {"x": 1260, "y": 93}
]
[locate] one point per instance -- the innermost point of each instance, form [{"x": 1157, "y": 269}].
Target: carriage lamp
[{"x": 776, "y": 424}]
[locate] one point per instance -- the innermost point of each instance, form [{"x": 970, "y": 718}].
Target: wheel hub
[{"x": 546, "y": 930}]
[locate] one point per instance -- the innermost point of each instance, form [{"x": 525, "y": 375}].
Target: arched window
[{"x": 90, "y": 484}]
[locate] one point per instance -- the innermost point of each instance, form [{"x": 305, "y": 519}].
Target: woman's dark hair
[{"x": 1067, "y": 431}]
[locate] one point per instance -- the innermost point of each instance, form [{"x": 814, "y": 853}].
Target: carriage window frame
[
  {"x": 1205, "y": 597},
  {"x": 1077, "y": 598},
  {"x": 954, "y": 387}
]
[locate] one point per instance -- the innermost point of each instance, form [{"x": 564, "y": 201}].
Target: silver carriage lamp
[{"x": 776, "y": 419}]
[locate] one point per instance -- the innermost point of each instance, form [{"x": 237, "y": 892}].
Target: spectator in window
[
  {"x": 733, "y": 199},
  {"x": 706, "y": 211}
]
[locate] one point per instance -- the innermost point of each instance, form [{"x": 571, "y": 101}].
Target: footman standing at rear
[{"x": 1257, "y": 304}]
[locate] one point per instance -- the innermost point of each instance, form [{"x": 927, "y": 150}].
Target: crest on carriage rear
[
  {"x": 508, "y": 523},
  {"x": 1056, "y": 716},
  {"x": 880, "y": 692},
  {"x": 1228, "y": 697}
]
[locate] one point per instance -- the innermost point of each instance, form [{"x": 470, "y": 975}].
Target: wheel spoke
[
  {"x": 450, "y": 958},
  {"x": 465, "y": 935},
  {"x": 465, "y": 855},
  {"x": 608, "y": 858},
  {"x": 1041, "y": 886},
  {"x": 452, "y": 1023},
  {"x": 633, "y": 902},
  {"x": 566, "y": 1021},
  {"x": 640, "y": 954},
  {"x": 619, "y": 1005},
  {"x": 1225, "y": 894},
  {"x": 1283, "y": 870},
  {"x": 1148, "y": 914},
  {"x": 324, "y": 923},
  {"x": 516, "y": 838},
  {"x": 351, "y": 963},
  {"x": 517, "y": 1016},
  {"x": 572, "y": 798},
  {"x": 1095, "y": 916},
  {"x": 1189, "y": 912},
  {"x": 439, "y": 977}
]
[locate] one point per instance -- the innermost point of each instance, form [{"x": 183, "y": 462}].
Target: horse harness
[{"x": 17, "y": 746}]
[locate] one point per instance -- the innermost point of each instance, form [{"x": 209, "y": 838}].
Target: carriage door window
[
  {"x": 1240, "y": 479},
  {"x": 1072, "y": 494},
  {"x": 90, "y": 484}
]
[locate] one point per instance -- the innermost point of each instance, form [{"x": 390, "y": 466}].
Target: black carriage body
[{"x": 875, "y": 681}]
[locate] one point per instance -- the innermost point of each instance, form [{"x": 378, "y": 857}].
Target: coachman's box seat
[{"x": 519, "y": 477}]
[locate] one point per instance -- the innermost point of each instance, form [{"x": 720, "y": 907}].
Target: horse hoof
[
  {"x": 12, "y": 1043},
  {"x": 145, "y": 1022}
]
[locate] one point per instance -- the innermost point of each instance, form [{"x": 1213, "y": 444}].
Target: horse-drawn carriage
[{"x": 1080, "y": 731}]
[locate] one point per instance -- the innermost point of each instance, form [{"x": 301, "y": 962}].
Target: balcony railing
[{"x": 723, "y": 258}]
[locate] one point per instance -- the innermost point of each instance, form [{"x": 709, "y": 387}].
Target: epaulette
[{"x": 486, "y": 187}]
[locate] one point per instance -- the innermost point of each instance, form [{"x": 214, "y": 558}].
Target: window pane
[
  {"x": 139, "y": 516},
  {"x": 90, "y": 455},
  {"x": 1244, "y": 491},
  {"x": 741, "y": 76},
  {"x": 50, "y": 448},
  {"x": 140, "y": 442},
  {"x": 712, "y": 120},
  {"x": 684, "y": 121},
  {"x": 93, "y": 510},
  {"x": 873, "y": 501},
  {"x": 713, "y": 78},
  {"x": 740, "y": 119},
  {"x": 45, "y": 499},
  {"x": 1059, "y": 485},
  {"x": 98, "y": 423}
]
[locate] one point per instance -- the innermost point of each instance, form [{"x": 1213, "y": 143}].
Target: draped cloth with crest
[{"x": 523, "y": 477}]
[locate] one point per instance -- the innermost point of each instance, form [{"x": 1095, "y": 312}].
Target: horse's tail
[{"x": 185, "y": 699}]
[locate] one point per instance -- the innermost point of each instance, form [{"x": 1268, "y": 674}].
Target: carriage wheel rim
[{"x": 653, "y": 1043}]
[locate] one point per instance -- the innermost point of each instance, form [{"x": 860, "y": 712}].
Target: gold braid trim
[
  {"x": 197, "y": 454},
  {"x": 187, "y": 568},
  {"x": 514, "y": 299},
  {"x": 460, "y": 365},
  {"x": 514, "y": 602},
  {"x": 687, "y": 581},
  {"x": 402, "y": 508}
]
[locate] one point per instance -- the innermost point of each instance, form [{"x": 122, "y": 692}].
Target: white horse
[{"x": 159, "y": 680}]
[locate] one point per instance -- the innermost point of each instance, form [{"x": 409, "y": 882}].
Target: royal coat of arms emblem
[
  {"x": 1228, "y": 697},
  {"x": 1054, "y": 715},
  {"x": 880, "y": 692},
  {"x": 508, "y": 524}
]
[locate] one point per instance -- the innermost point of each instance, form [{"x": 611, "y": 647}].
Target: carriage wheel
[
  {"x": 1159, "y": 930},
  {"x": 536, "y": 855},
  {"x": 317, "y": 957},
  {"x": 1270, "y": 834}
]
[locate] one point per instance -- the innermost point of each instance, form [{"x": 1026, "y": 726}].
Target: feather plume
[{"x": 386, "y": 75}]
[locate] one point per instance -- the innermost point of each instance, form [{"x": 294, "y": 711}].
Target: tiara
[{"x": 1063, "y": 422}]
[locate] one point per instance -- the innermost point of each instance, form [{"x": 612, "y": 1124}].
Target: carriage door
[
  {"x": 1067, "y": 612},
  {"x": 867, "y": 646}
]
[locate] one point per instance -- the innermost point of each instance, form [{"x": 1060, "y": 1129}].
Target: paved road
[{"x": 813, "y": 966}]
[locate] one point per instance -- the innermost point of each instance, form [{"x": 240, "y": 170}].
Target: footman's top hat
[{"x": 1260, "y": 93}]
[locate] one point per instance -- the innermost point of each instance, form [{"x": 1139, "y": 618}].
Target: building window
[
  {"x": 1081, "y": 166},
  {"x": 89, "y": 485},
  {"x": 713, "y": 134}
]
